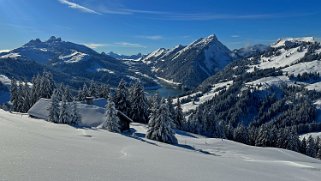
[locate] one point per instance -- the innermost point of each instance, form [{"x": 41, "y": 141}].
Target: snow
[
  {"x": 171, "y": 82},
  {"x": 10, "y": 55},
  {"x": 286, "y": 58},
  {"x": 105, "y": 70},
  {"x": 314, "y": 135},
  {"x": 267, "y": 82},
  {"x": 315, "y": 86},
  {"x": 282, "y": 42},
  {"x": 309, "y": 67},
  {"x": 5, "y": 80},
  {"x": 33, "y": 149},
  {"x": 74, "y": 57},
  {"x": 206, "y": 97},
  {"x": 155, "y": 54}
]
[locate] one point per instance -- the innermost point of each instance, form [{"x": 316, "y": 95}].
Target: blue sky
[{"x": 132, "y": 26}]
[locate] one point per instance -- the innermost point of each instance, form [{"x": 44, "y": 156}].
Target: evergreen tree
[
  {"x": 171, "y": 108},
  {"x": 103, "y": 91},
  {"x": 64, "y": 116},
  {"x": 112, "y": 122},
  {"x": 14, "y": 95},
  {"x": 121, "y": 98},
  {"x": 311, "y": 147},
  {"x": 161, "y": 126},
  {"x": 75, "y": 117},
  {"x": 154, "y": 112},
  {"x": 92, "y": 91},
  {"x": 179, "y": 118},
  {"x": 26, "y": 98},
  {"x": 20, "y": 98},
  {"x": 139, "y": 106},
  {"x": 241, "y": 134},
  {"x": 303, "y": 146},
  {"x": 67, "y": 94},
  {"x": 47, "y": 85},
  {"x": 54, "y": 110}
]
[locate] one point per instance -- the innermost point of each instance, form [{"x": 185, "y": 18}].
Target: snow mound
[{"x": 10, "y": 55}]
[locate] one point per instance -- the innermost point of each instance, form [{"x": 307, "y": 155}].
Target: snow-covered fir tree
[
  {"x": 311, "y": 147},
  {"x": 112, "y": 122},
  {"x": 68, "y": 95},
  {"x": 75, "y": 117},
  {"x": 139, "y": 105},
  {"x": 161, "y": 126},
  {"x": 103, "y": 91},
  {"x": 47, "y": 85},
  {"x": 154, "y": 112},
  {"x": 92, "y": 90},
  {"x": 171, "y": 108},
  {"x": 179, "y": 118},
  {"x": 14, "y": 95},
  {"x": 121, "y": 98},
  {"x": 64, "y": 116},
  {"x": 54, "y": 110},
  {"x": 83, "y": 93}
]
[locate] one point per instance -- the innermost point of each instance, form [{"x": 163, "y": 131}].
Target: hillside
[{"x": 33, "y": 149}]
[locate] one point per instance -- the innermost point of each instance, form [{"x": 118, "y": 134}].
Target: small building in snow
[{"x": 91, "y": 115}]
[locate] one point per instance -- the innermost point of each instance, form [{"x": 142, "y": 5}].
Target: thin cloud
[
  {"x": 129, "y": 45},
  {"x": 235, "y": 36},
  {"x": 4, "y": 51},
  {"x": 151, "y": 37},
  {"x": 78, "y": 7},
  {"x": 95, "y": 45}
]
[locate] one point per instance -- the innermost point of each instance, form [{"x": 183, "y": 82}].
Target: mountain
[
  {"x": 278, "y": 89},
  {"x": 39, "y": 150},
  {"x": 189, "y": 65},
  {"x": 125, "y": 57},
  {"x": 77, "y": 63}
]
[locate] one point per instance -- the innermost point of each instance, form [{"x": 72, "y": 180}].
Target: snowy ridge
[{"x": 286, "y": 41}]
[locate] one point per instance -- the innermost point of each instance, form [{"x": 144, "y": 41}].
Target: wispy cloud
[
  {"x": 78, "y": 7},
  {"x": 4, "y": 51},
  {"x": 151, "y": 37},
  {"x": 95, "y": 45},
  {"x": 129, "y": 45},
  {"x": 235, "y": 36}
]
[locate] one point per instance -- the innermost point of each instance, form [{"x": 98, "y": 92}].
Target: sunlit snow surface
[{"x": 32, "y": 149}]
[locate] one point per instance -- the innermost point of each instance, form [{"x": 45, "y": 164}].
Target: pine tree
[
  {"x": 139, "y": 106},
  {"x": 92, "y": 91},
  {"x": 103, "y": 91},
  {"x": 68, "y": 95},
  {"x": 26, "y": 98},
  {"x": 54, "y": 110},
  {"x": 161, "y": 126},
  {"x": 75, "y": 117},
  {"x": 47, "y": 85},
  {"x": 311, "y": 147},
  {"x": 64, "y": 116},
  {"x": 14, "y": 95},
  {"x": 112, "y": 122},
  {"x": 154, "y": 111},
  {"x": 303, "y": 146},
  {"x": 171, "y": 108},
  {"x": 20, "y": 100},
  {"x": 121, "y": 98},
  {"x": 179, "y": 118}
]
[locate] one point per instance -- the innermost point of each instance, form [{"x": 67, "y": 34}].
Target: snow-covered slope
[{"x": 37, "y": 150}]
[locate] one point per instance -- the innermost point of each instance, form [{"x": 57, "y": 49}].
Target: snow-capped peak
[{"x": 287, "y": 41}]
